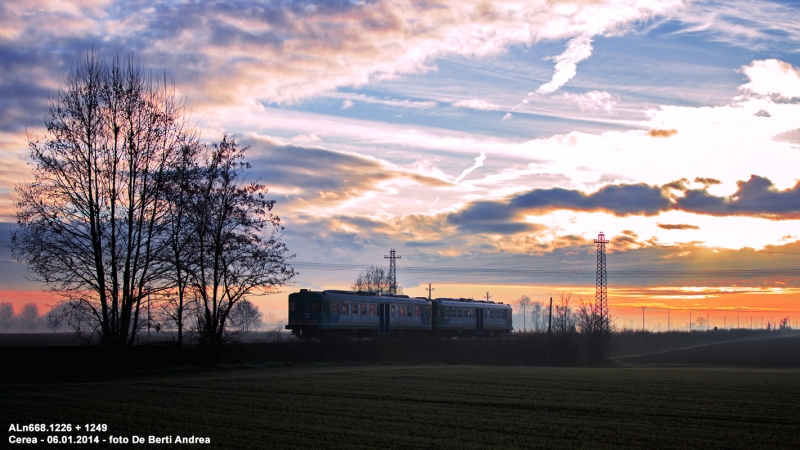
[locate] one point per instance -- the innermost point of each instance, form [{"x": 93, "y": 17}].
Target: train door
[
  {"x": 383, "y": 318},
  {"x": 479, "y": 321}
]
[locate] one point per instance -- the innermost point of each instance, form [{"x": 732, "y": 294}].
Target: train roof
[{"x": 477, "y": 303}]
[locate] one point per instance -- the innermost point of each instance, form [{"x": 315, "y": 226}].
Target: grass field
[{"x": 421, "y": 406}]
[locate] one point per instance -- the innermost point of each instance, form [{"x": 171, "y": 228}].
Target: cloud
[
  {"x": 772, "y": 77},
  {"x": 283, "y": 52},
  {"x": 661, "y": 133},
  {"x": 578, "y": 49},
  {"x": 508, "y": 116},
  {"x": 347, "y": 104},
  {"x": 754, "y": 197},
  {"x": 404, "y": 103},
  {"x": 316, "y": 174},
  {"x": 593, "y": 100},
  {"x": 476, "y": 104},
  {"x": 744, "y": 23},
  {"x": 478, "y": 163},
  {"x": 677, "y": 226}
]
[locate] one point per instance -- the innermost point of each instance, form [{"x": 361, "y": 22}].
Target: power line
[{"x": 566, "y": 273}]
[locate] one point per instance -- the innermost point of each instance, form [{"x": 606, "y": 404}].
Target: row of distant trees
[
  {"x": 128, "y": 209},
  {"x": 244, "y": 316},
  {"x": 573, "y": 323},
  {"x": 27, "y": 319}
]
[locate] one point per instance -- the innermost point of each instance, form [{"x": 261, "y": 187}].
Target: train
[{"x": 321, "y": 314}]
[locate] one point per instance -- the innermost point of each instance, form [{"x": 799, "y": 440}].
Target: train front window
[
  {"x": 292, "y": 306},
  {"x": 316, "y": 306}
]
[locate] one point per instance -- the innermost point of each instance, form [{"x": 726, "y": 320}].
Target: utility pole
[
  {"x": 708, "y": 323},
  {"x": 392, "y": 271},
  {"x": 430, "y": 289},
  {"x": 668, "y": 320},
  {"x": 488, "y": 296},
  {"x": 549, "y": 329},
  {"x": 642, "y": 318},
  {"x": 690, "y": 321}
]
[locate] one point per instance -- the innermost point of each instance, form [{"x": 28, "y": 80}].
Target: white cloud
[
  {"x": 593, "y": 100},
  {"x": 508, "y": 116},
  {"x": 478, "y": 163},
  {"x": 578, "y": 49},
  {"x": 476, "y": 104},
  {"x": 404, "y": 103},
  {"x": 772, "y": 77},
  {"x": 744, "y": 23}
]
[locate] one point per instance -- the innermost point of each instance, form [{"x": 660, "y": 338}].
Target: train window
[
  {"x": 372, "y": 309},
  {"x": 363, "y": 309},
  {"x": 316, "y": 306},
  {"x": 334, "y": 307},
  {"x": 459, "y": 313},
  {"x": 409, "y": 312},
  {"x": 292, "y": 306},
  {"x": 393, "y": 310},
  {"x": 345, "y": 308},
  {"x": 471, "y": 313},
  {"x": 416, "y": 311}
]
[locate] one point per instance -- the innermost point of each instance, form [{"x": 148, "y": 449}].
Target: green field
[{"x": 419, "y": 406}]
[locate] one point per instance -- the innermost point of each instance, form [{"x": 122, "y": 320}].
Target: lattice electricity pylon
[
  {"x": 601, "y": 283},
  {"x": 392, "y": 271}
]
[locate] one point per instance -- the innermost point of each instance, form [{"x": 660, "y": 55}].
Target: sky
[{"x": 487, "y": 142}]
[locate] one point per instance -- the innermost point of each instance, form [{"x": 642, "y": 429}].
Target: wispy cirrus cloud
[{"x": 482, "y": 105}]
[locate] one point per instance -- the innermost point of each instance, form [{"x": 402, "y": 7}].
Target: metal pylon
[
  {"x": 392, "y": 271},
  {"x": 601, "y": 283}
]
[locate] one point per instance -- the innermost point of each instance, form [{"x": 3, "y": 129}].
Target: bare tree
[
  {"x": 246, "y": 316},
  {"x": 522, "y": 306},
  {"x": 6, "y": 314},
  {"x": 92, "y": 221},
  {"x": 374, "y": 280},
  {"x": 701, "y": 323},
  {"x": 178, "y": 232},
  {"x": 596, "y": 338},
  {"x": 29, "y": 316},
  {"x": 564, "y": 320},
  {"x": 235, "y": 241}
]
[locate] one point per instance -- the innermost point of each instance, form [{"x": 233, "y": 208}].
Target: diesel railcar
[{"x": 314, "y": 314}]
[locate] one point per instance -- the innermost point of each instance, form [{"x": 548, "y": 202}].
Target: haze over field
[{"x": 475, "y": 135}]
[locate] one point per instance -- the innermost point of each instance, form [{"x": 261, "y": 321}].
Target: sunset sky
[{"x": 488, "y": 142}]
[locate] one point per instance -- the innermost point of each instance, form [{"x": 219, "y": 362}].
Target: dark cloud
[
  {"x": 316, "y": 173},
  {"x": 754, "y": 197},
  {"x": 677, "y": 226},
  {"x": 620, "y": 200}
]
